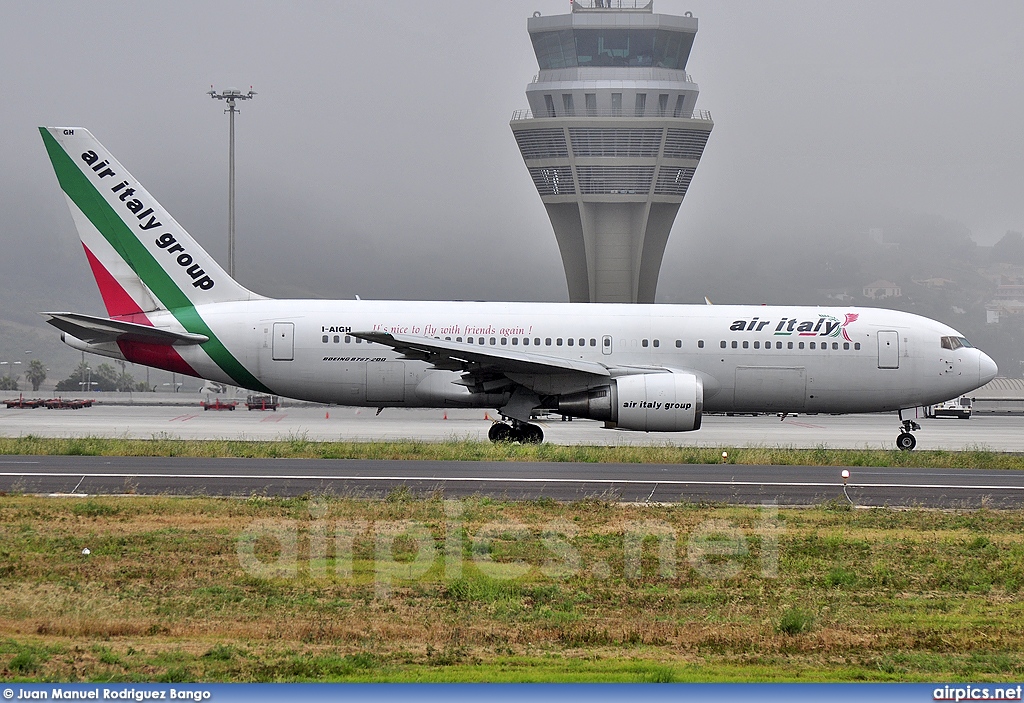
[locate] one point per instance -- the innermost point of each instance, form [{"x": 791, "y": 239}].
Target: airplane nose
[{"x": 987, "y": 368}]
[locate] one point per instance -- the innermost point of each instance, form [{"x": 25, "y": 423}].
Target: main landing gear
[
  {"x": 522, "y": 432},
  {"x": 906, "y": 441}
]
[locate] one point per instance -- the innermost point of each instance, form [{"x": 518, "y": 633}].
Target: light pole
[{"x": 231, "y": 96}]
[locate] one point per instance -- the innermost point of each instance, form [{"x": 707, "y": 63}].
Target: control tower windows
[
  {"x": 680, "y": 101},
  {"x": 567, "y": 104},
  {"x": 616, "y": 104},
  {"x": 591, "y": 104},
  {"x": 641, "y": 104},
  {"x": 569, "y": 48},
  {"x": 549, "y": 105},
  {"x": 662, "y": 104}
]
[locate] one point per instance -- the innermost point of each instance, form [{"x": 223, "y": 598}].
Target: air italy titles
[
  {"x": 148, "y": 221},
  {"x": 824, "y": 326}
]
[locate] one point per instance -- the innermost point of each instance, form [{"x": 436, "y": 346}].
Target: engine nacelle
[{"x": 651, "y": 402}]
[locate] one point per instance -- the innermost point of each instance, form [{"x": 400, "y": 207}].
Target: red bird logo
[{"x": 850, "y": 317}]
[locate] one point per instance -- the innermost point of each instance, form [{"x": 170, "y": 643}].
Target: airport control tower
[{"x": 612, "y": 140}]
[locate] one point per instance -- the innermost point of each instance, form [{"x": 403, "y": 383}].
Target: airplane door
[
  {"x": 888, "y": 349},
  {"x": 283, "y": 346},
  {"x": 606, "y": 344}
]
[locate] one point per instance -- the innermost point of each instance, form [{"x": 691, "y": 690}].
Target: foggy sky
[{"x": 377, "y": 159}]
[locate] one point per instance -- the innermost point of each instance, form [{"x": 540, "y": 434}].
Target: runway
[
  {"x": 716, "y": 483},
  {"x": 995, "y": 433}
]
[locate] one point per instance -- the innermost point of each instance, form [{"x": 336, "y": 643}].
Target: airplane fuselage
[{"x": 750, "y": 358}]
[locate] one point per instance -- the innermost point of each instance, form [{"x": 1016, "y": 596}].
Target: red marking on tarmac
[
  {"x": 274, "y": 418},
  {"x": 182, "y": 418},
  {"x": 805, "y": 424}
]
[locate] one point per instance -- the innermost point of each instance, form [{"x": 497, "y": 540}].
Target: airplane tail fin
[{"x": 142, "y": 259}]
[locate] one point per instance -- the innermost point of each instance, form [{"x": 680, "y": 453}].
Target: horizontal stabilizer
[{"x": 96, "y": 330}]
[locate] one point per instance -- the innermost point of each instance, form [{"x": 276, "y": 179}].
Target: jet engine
[{"x": 651, "y": 402}]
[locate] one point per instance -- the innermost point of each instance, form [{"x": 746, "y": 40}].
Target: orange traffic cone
[
  {"x": 486, "y": 416},
  {"x": 445, "y": 415},
  {"x": 327, "y": 415}
]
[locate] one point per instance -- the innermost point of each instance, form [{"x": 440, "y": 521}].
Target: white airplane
[{"x": 653, "y": 368}]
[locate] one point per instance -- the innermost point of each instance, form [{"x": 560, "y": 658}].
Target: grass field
[
  {"x": 459, "y": 450},
  {"x": 403, "y": 589}
]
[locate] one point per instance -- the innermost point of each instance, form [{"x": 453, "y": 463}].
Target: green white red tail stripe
[{"x": 143, "y": 260}]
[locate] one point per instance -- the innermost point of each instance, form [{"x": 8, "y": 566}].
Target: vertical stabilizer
[{"x": 142, "y": 259}]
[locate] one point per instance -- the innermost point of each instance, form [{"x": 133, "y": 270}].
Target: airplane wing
[
  {"x": 459, "y": 356},
  {"x": 96, "y": 330}
]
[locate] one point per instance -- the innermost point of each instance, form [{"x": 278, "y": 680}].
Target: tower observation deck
[{"x": 612, "y": 140}]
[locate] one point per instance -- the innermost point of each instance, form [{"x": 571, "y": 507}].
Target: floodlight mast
[{"x": 230, "y": 96}]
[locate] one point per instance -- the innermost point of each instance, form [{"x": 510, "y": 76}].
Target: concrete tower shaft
[{"x": 612, "y": 140}]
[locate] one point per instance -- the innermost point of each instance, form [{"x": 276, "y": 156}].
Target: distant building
[
  {"x": 1007, "y": 302},
  {"x": 882, "y": 289}
]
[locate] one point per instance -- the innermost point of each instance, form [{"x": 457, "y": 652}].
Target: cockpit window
[{"x": 955, "y": 343}]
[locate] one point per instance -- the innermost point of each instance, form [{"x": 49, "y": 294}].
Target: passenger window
[
  {"x": 746, "y": 344},
  {"x": 504, "y": 341},
  {"x": 481, "y": 340},
  {"x": 723, "y": 344},
  {"x": 789, "y": 345},
  {"x": 734, "y": 345},
  {"x": 846, "y": 345},
  {"x": 856, "y": 346},
  {"x": 536, "y": 341},
  {"x": 558, "y": 342},
  {"x": 337, "y": 339},
  {"x": 593, "y": 342},
  {"x": 325, "y": 339},
  {"x": 679, "y": 344},
  {"x": 812, "y": 345},
  {"x": 570, "y": 341},
  {"x": 757, "y": 345},
  {"x": 583, "y": 342},
  {"x": 657, "y": 342},
  {"x": 643, "y": 343},
  {"x": 526, "y": 341},
  {"x": 700, "y": 343},
  {"x": 348, "y": 340},
  {"x": 835, "y": 345},
  {"x": 547, "y": 341},
  {"x": 458, "y": 339},
  {"x": 801, "y": 345},
  {"x": 515, "y": 341},
  {"x": 778, "y": 345},
  {"x": 492, "y": 341}
]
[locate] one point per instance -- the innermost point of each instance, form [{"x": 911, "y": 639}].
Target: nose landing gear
[{"x": 906, "y": 441}]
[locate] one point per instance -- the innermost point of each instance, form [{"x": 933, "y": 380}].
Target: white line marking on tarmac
[{"x": 505, "y": 479}]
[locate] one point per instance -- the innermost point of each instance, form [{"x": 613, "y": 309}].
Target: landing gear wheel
[
  {"x": 532, "y": 434},
  {"x": 906, "y": 441},
  {"x": 500, "y": 432}
]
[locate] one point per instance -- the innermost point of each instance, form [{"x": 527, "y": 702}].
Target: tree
[
  {"x": 76, "y": 382},
  {"x": 8, "y": 384},
  {"x": 101, "y": 378},
  {"x": 35, "y": 374}
]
